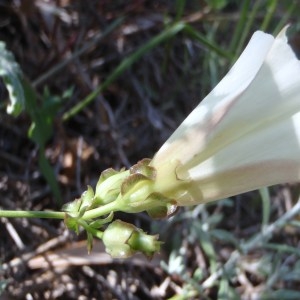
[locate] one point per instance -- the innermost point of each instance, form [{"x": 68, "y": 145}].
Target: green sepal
[
  {"x": 108, "y": 186},
  {"x": 100, "y": 222},
  {"x": 106, "y": 174},
  {"x": 71, "y": 223},
  {"x": 142, "y": 167},
  {"x": 87, "y": 196},
  {"x": 142, "y": 242},
  {"x": 72, "y": 208},
  {"x": 163, "y": 207},
  {"x": 78, "y": 207},
  {"x": 161, "y": 212},
  {"x": 131, "y": 181}
]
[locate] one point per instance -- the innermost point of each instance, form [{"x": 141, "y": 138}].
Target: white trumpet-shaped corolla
[{"x": 244, "y": 135}]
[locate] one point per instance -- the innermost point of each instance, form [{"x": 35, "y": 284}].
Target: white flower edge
[{"x": 244, "y": 135}]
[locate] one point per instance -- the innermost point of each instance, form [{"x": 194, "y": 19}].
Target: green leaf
[
  {"x": 42, "y": 117},
  {"x": 281, "y": 294},
  {"x": 226, "y": 291},
  {"x": 217, "y": 4},
  {"x": 12, "y": 77},
  {"x": 224, "y": 236},
  {"x": 41, "y": 130},
  {"x": 207, "y": 245}
]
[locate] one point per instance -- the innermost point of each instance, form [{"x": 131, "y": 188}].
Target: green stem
[
  {"x": 101, "y": 211},
  {"x": 270, "y": 10},
  {"x": 32, "y": 214},
  {"x": 239, "y": 27},
  {"x": 95, "y": 232}
]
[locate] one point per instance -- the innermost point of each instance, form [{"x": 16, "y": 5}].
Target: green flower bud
[
  {"x": 122, "y": 240},
  {"x": 109, "y": 186}
]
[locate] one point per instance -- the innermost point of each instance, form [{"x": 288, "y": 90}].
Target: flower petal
[{"x": 244, "y": 135}]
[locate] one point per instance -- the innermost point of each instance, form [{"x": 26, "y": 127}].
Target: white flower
[{"x": 244, "y": 135}]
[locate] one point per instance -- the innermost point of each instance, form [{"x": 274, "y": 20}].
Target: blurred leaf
[
  {"x": 180, "y": 4},
  {"x": 292, "y": 274},
  {"x": 198, "y": 274},
  {"x": 11, "y": 74},
  {"x": 281, "y": 294},
  {"x": 2, "y": 286},
  {"x": 207, "y": 245},
  {"x": 42, "y": 117},
  {"x": 22, "y": 95},
  {"x": 225, "y": 236},
  {"x": 195, "y": 34},
  {"x": 41, "y": 129},
  {"x": 68, "y": 93},
  {"x": 175, "y": 264},
  {"x": 295, "y": 223},
  {"x": 239, "y": 27},
  {"x": 282, "y": 248},
  {"x": 266, "y": 206},
  {"x": 217, "y": 4},
  {"x": 214, "y": 219},
  {"x": 293, "y": 7},
  {"x": 49, "y": 174},
  {"x": 270, "y": 10},
  {"x": 226, "y": 292}
]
